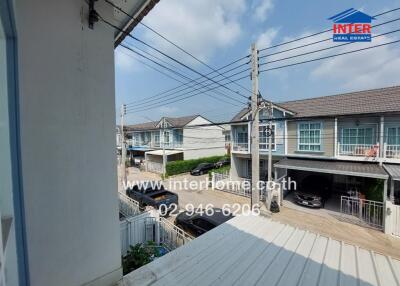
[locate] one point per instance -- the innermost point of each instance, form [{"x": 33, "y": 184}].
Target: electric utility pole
[
  {"x": 255, "y": 155},
  {"x": 123, "y": 146},
  {"x": 270, "y": 134},
  {"x": 163, "y": 156}
]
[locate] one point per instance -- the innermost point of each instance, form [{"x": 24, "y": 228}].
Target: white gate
[
  {"x": 395, "y": 219},
  {"x": 367, "y": 211}
]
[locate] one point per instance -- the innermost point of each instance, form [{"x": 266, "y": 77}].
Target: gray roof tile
[
  {"x": 381, "y": 100},
  {"x": 176, "y": 122}
]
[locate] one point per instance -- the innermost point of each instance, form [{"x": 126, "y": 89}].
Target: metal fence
[
  {"x": 392, "y": 151},
  {"x": 128, "y": 207},
  {"x": 223, "y": 182},
  {"x": 172, "y": 236},
  {"x": 367, "y": 211},
  {"x": 364, "y": 150},
  {"x": 149, "y": 226},
  {"x": 241, "y": 187}
]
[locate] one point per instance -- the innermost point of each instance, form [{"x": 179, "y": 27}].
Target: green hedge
[{"x": 183, "y": 166}]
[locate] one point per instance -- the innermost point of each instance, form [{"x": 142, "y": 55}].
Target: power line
[
  {"x": 324, "y": 49},
  {"x": 151, "y": 67},
  {"x": 320, "y": 41},
  {"x": 318, "y": 33},
  {"x": 169, "y": 76},
  {"x": 171, "y": 70},
  {"x": 177, "y": 100},
  {"x": 171, "y": 58},
  {"x": 172, "y": 43},
  {"x": 177, "y": 87},
  {"x": 155, "y": 99},
  {"x": 331, "y": 56},
  {"x": 167, "y": 101}
]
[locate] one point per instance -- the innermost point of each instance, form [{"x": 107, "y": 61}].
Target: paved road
[{"x": 197, "y": 197}]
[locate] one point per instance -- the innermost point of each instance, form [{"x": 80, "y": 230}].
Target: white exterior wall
[
  {"x": 67, "y": 114},
  {"x": 211, "y": 142}
]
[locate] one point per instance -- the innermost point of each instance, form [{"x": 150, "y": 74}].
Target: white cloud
[
  {"x": 376, "y": 67},
  {"x": 167, "y": 110},
  {"x": 265, "y": 39},
  {"x": 262, "y": 8},
  {"x": 200, "y": 27},
  {"x": 372, "y": 68},
  {"x": 123, "y": 60}
]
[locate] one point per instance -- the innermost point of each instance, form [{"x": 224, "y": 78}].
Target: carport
[
  {"x": 154, "y": 159},
  {"x": 350, "y": 182},
  {"x": 394, "y": 172}
]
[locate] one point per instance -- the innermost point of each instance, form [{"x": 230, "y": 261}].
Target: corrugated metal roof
[
  {"x": 137, "y": 10},
  {"x": 254, "y": 250},
  {"x": 160, "y": 152},
  {"x": 393, "y": 170},
  {"x": 371, "y": 170}
]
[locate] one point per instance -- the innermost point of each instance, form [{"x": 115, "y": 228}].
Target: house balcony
[
  {"x": 240, "y": 147},
  {"x": 362, "y": 152},
  {"x": 391, "y": 153}
]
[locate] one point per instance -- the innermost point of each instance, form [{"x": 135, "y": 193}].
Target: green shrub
[
  {"x": 183, "y": 166},
  {"x": 139, "y": 255}
]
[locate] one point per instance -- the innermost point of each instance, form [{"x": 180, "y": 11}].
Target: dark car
[
  {"x": 223, "y": 162},
  {"x": 202, "y": 221},
  {"x": 152, "y": 194},
  {"x": 201, "y": 169},
  {"x": 314, "y": 191}
]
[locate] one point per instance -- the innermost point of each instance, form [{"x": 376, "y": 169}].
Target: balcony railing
[
  {"x": 358, "y": 150},
  {"x": 392, "y": 151},
  {"x": 240, "y": 147}
]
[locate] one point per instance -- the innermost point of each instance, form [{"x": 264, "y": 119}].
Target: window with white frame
[
  {"x": 310, "y": 136},
  {"x": 157, "y": 138},
  {"x": 358, "y": 136},
  {"x": 263, "y": 130},
  {"x": 166, "y": 137},
  {"x": 136, "y": 139},
  {"x": 242, "y": 137},
  {"x": 393, "y": 136},
  {"x": 179, "y": 136}
]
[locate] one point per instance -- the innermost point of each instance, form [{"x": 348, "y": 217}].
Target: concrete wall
[
  {"x": 203, "y": 141},
  {"x": 6, "y": 180},
  {"x": 67, "y": 109},
  {"x": 327, "y": 139}
]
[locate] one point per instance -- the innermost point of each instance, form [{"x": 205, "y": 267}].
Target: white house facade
[{"x": 183, "y": 138}]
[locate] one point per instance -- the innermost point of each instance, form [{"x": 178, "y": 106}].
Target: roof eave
[{"x": 136, "y": 18}]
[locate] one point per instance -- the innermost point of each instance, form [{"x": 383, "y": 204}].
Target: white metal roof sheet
[
  {"x": 393, "y": 170},
  {"x": 160, "y": 152},
  {"x": 253, "y": 250}
]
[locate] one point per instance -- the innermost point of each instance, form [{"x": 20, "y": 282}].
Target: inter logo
[{"x": 351, "y": 26}]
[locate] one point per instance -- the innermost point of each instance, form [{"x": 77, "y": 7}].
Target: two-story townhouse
[
  {"x": 183, "y": 138},
  {"x": 240, "y": 134},
  {"x": 349, "y": 141}
]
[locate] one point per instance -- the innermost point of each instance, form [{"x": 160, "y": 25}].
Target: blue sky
[{"x": 220, "y": 31}]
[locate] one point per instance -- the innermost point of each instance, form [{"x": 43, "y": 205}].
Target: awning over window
[
  {"x": 369, "y": 170},
  {"x": 393, "y": 171}
]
